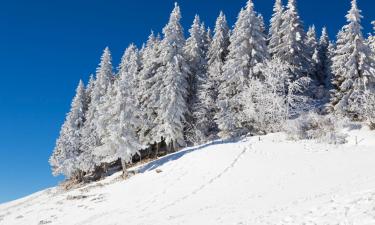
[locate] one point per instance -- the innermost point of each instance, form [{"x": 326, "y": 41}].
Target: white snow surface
[{"x": 255, "y": 181}]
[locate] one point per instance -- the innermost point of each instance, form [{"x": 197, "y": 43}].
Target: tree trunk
[
  {"x": 149, "y": 151},
  {"x": 124, "y": 170},
  {"x": 105, "y": 170},
  {"x": 157, "y": 150},
  {"x": 171, "y": 147}
]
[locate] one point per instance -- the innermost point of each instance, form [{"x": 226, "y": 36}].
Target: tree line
[{"x": 174, "y": 92}]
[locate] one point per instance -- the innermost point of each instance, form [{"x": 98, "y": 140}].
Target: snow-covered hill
[{"x": 259, "y": 180}]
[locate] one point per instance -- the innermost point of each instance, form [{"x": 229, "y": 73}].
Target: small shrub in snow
[{"x": 326, "y": 129}]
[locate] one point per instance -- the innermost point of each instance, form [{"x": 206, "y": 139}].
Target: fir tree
[
  {"x": 352, "y": 67},
  {"x": 324, "y": 66},
  {"x": 172, "y": 102},
  {"x": 64, "y": 159},
  {"x": 90, "y": 134},
  {"x": 120, "y": 118},
  {"x": 372, "y": 38},
  {"x": 150, "y": 88},
  {"x": 275, "y": 35},
  {"x": 247, "y": 49},
  {"x": 195, "y": 54},
  {"x": 293, "y": 48},
  {"x": 312, "y": 44},
  {"x": 216, "y": 56}
]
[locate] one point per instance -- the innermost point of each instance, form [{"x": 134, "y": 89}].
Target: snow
[{"x": 258, "y": 180}]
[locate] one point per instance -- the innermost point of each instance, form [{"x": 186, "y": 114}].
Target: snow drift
[{"x": 258, "y": 180}]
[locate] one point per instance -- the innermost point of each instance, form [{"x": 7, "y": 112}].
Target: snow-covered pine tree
[
  {"x": 262, "y": 24},
  {"x": 172, "y": 102},
  {"x": 311, "y": 40},
  {"x": 353, "y": 67},
  {"x": 150, "y": 88},
  {"x": 372, "y": 38},
  {"x": 216, "y": 56},
  {"x": 275, "y": 35},
  {"x": 119, "y": 119},
  {"x": 247, "y": 49},
  {"x": 312, "y": 44},
  {"x": 89, "y": 88},
  {"x": 90, "y": 136},
  {"x": 64, "y": 159},
  {"x": 324, "y": 63},
  {"x": 293, "y": 48},
  {"x": 208, "y": 39},
  {"x": 195, "y": 54}
]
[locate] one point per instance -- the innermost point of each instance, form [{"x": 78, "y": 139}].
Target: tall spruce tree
[
  {"x": 372, "y": 38},
  {"x": 173, "y": 73},
  {"x": 247, "y": 49},
  {"x": 150, "y": 88},
  {"x": 119, "y": 119},
  {"x": 90, "y": 136},
  {"x": 275, "y": 35},
  {"x": 312, "y": 44},
  {"x": 216, "y": 56},
  {"x": 353, "y": 67},
  {"x": 64, "y": 159},
  {"x": 195, "y": 54},
  {"x": 324, "y": 64},
  {"x": 293, "y": 48}
]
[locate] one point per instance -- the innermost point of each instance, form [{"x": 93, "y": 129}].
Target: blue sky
[{"x": 47, "y": 46}]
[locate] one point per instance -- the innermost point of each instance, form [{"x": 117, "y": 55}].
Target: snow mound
[{"x": 255, "y": 181}]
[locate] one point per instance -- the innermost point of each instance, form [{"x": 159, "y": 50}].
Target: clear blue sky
[{"x": 47, "y": 46}]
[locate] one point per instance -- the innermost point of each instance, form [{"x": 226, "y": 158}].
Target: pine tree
[
  {"x": 195, "y": 54},
  {"x": 293, "y": 49},
  {"x": 247, "y": 49},
  {"x": 324, "y": 66},
  {"x": 208, "y": 39},
  {"x": 275, "y": 35},
  {"x": 89, "y": 88},
  {"x": 64, "y": 159},
  {"x": 90, "y": 135},
  {"x": 353, "y": 67},
  {"x": 311, "y": 40},
  {"x": 312, "y": 44},
  {"x": 216, "y": 56},
  {"x": 172, "y": 103},
  {"x": 150, "y": 88},
  {"x": 119, "y": 118},
  {"x": 372, "y": 38}
]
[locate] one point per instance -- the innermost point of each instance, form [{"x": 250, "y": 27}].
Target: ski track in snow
[{"x": 264, "y": 180}]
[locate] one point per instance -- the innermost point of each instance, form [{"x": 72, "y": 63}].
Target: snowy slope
[{"x": 259, "y": 180}]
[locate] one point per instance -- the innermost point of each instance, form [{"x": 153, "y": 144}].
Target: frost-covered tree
[
  {"x": 216, "y": 56},
  {"x": 90, "y": 134},
  {"x": 247, "y": 49},
  {"x": 150, "y": 88},
  {"x": 293, "y": 48},
  {"x": 275, "y": 35},
  {"x": 323, "y": 67},
  {"x": 89, "y": 88},
  {"x": 195, "y": 54},
  {"x": 312, "y": 44},
  {"x": 372, "y": 38},
  {"x": 120, "y": 119},
  {"x": 172, "y": 102},
  {"x": 273, "y": 99},
  {"x": 311, "y": 40},
  {"x": 64, "y": 159},
  {"x": 353, "y": 67},
  {"x": 208, "y": 39}
]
